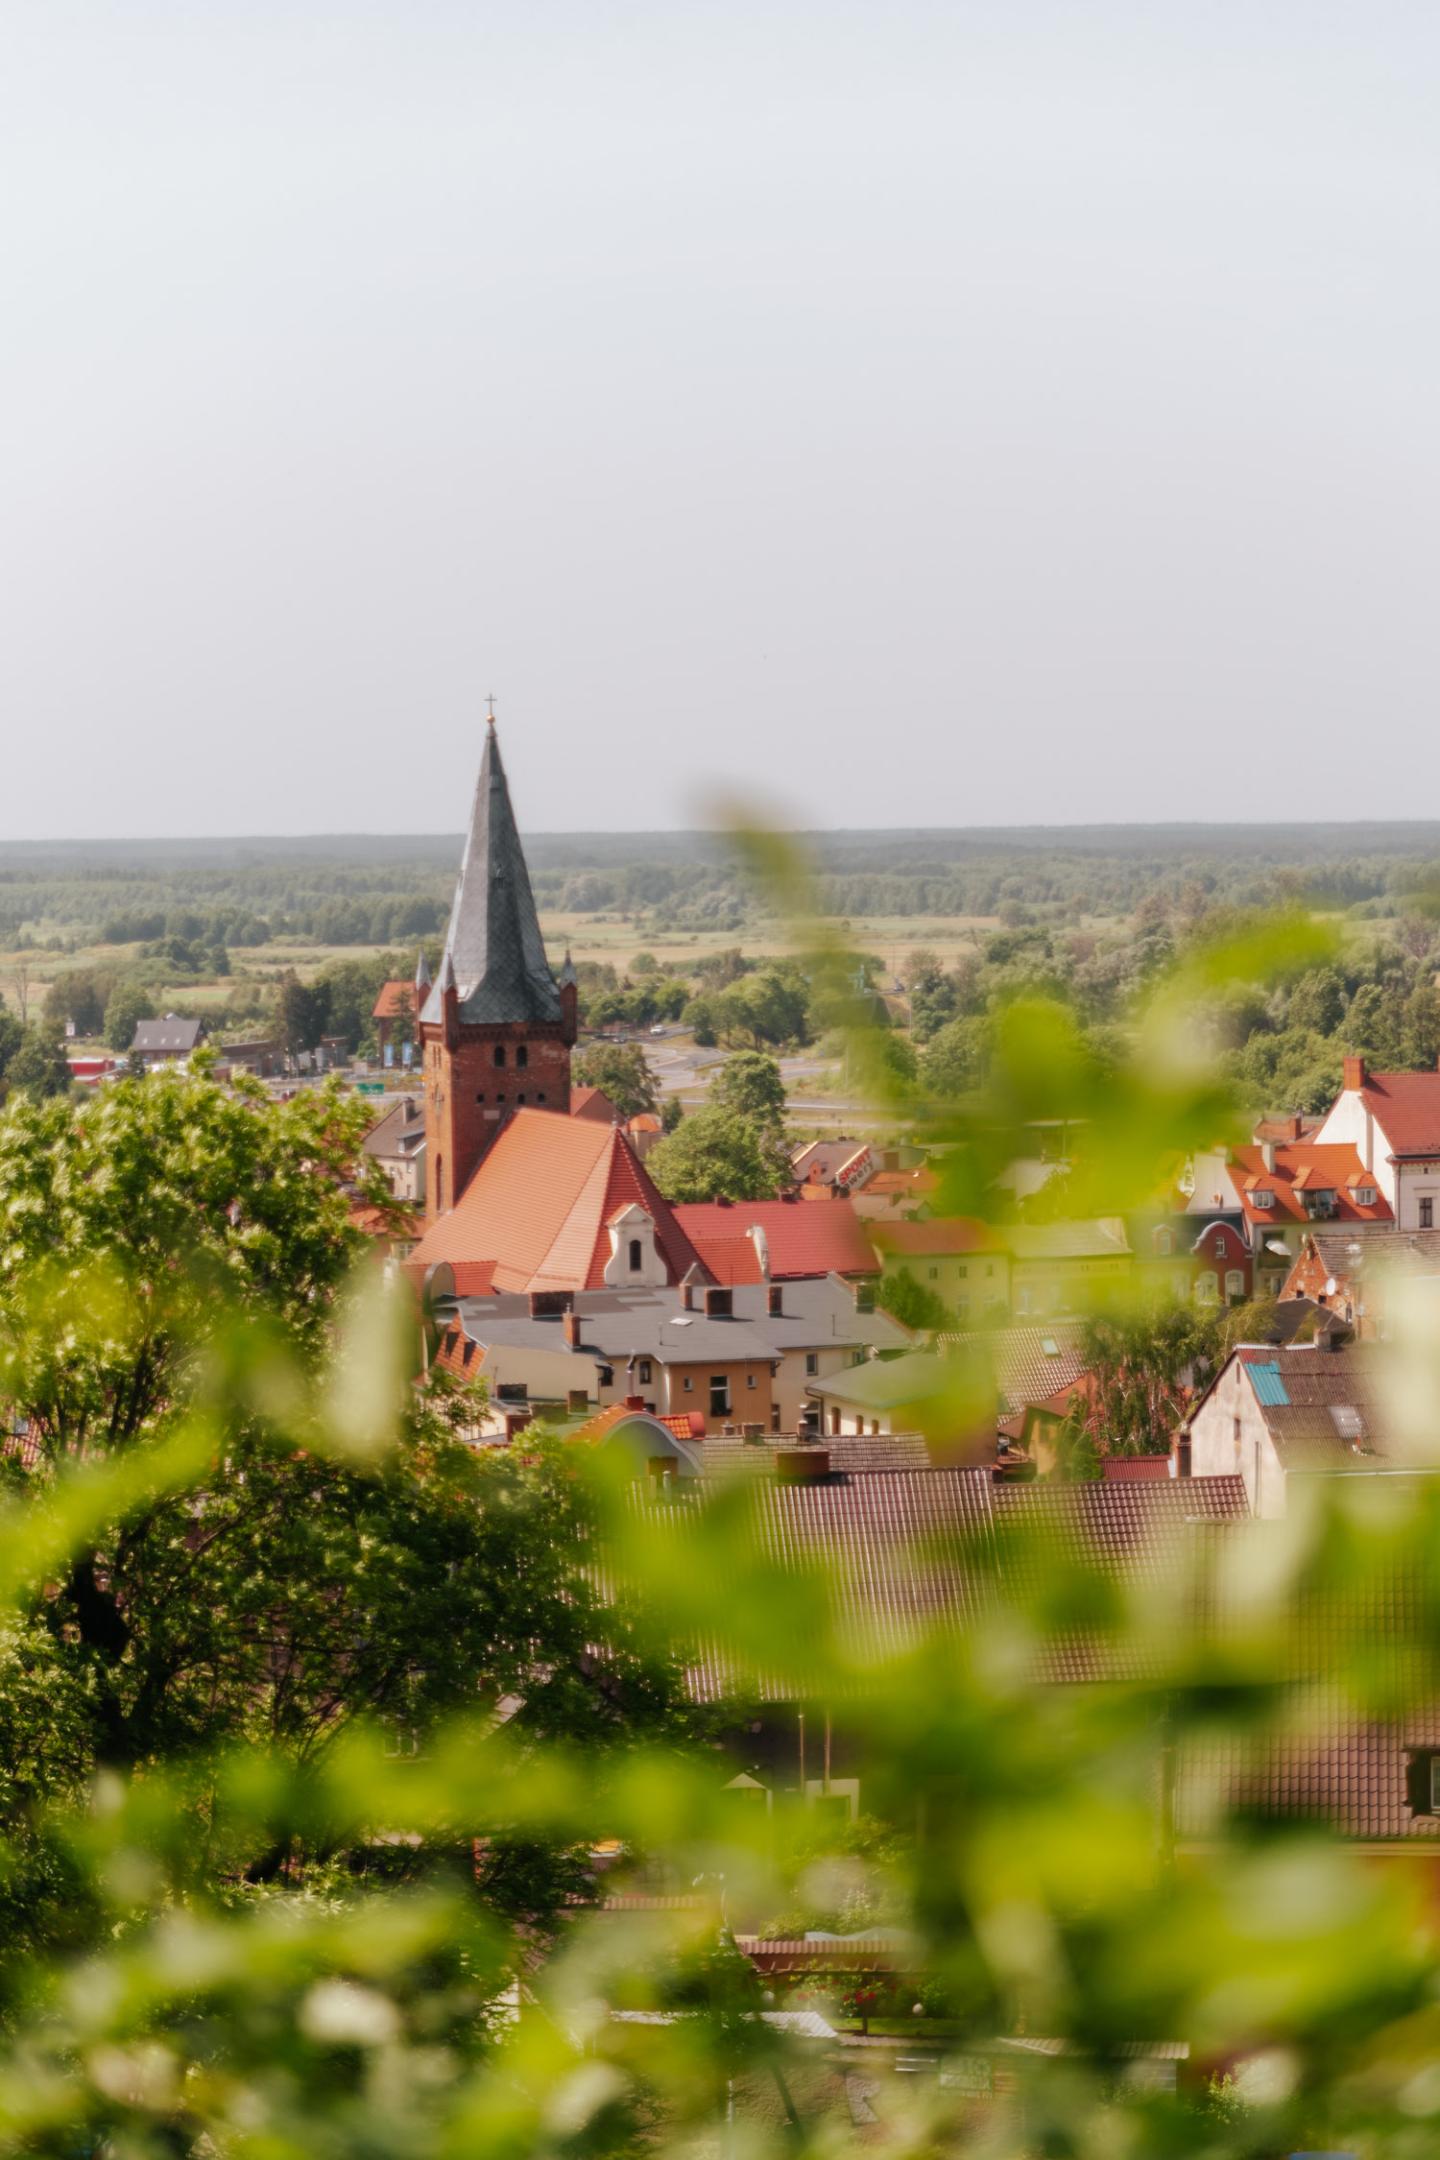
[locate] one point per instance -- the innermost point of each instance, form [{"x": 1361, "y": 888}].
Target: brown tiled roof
[
  {"x": 1323, "y": 1408},
  {"x": 538, "y": 1208},
  {"x": 1025, "y": 1370},
  {"x": 849, "y": 1453}
]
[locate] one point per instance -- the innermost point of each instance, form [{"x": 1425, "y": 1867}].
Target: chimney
[
  {"x": 687, "y": 1295},
  {"x": 801, "y": 1465},
  {"x": 1267, "y": 1155},
  {"x": 1354, "y": 1075},
  {"x": 1297, "y": 1126},
  {"x": 572, "y": 1330}
]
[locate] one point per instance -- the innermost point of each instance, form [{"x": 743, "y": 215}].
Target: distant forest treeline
[{"x": 382, "y": 890}]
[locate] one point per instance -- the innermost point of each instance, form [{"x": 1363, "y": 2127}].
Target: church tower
[{"x": 496, "y": 1027}]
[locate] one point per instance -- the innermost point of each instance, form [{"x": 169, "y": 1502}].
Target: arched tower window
[
  {"x": 499, "y": 1053},
  {"x": 522, "y": 1054}
]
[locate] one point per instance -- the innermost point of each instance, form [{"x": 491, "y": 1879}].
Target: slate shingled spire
[{"x": 494, "y": 952}]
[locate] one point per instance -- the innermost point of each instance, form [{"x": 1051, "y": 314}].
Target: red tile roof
[
  {"x": 1301, "y": 1168},
  {"x": 538, "y": 1207},
  {"x": 825, "y": 1238},
  {"x": 395, "y": 998},
  {"x": 939, "y": 1234},
  {"x": 1406, "y": 1107},
  {"x": 593, "y": 1102}
]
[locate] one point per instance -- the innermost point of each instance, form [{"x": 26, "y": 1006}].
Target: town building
[
  {"x": 693, "y": 1351},
  {"x": 393, "y": 1017},
  {"x": 1065, "y": 1267},
  {"x": 1022, "y": 1379},
  {"x": 496, "y": 1026},
  {"x": 397, "y": 1144},
  {"x": 964, "y": 1262},
  {"x": 1392, "y": 1122},
  {"x": 170, "y": 1041},
  {"x": 918, "y": 1392},
  {"x": 1284, "y": 1187},
  {"x": 1347, "y": 1269},
  {"x": 782, "y": 1240},
  {"x": 1272, "y": 1416}
]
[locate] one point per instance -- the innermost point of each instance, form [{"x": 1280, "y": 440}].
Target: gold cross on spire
[{"x": 490, "y": 715}]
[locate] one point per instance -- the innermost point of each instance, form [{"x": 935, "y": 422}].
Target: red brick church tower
[{"x": 496, "y": 1026}]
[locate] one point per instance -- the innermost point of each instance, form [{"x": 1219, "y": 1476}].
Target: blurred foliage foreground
[{"x": 360, "y": 1794}]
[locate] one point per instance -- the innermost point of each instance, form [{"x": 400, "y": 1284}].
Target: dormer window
[
  {"x": 1263, "y": 1197},
  {"x": 1365, "y": 1196},
  {"x": 1321, "y": 1202},
  {"x": 637, "y": 1256}
]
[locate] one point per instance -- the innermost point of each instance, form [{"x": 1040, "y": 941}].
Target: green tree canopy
[
  {"x": 621, "y": 1071},
  {"x": 127, "y": 1005},
  {"x": 749, "y": 1083},
  {"x": 715, "y": 1154}
]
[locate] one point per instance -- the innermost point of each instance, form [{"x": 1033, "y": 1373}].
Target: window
[
  {"x": 605, "y": 1376},
  {"x": 522, "y": 1056},
  {"x": 812, "y": 1364},
  {"x": 1263, "y": 1197},
  {"x": 962, "y": 1271},
  {"x": 1427, "y": 1212},
  {"x": 1022, "y": 1299},
  {"x": 934, "y": 1274},
  {"x": 1365, "y": 1196},
  {"x": 1207, "y": 1288},
  {"x": 1235, "y": 1285},
  {"x": 1164, "y": 1241},
  {"x": 776, "y": 1300},
  {"x": 521, "y": 1096},
  {"x": 687, "y": 1383},
  {"x": 719, "y": 1394},
  {"x": 750, "y": 1379},
  {"x": 578, "y": 1399},
  {"x": 499, "y": 1053},
  {"x": 644, "y": 1372},
  {"x": 481, "y": 1096},
  {"x": 541, "y": 1096},
  {"x": 637, "y": 1256}
]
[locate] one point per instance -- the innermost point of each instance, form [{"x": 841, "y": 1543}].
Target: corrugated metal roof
[{"x": 1269, "y": 1385}]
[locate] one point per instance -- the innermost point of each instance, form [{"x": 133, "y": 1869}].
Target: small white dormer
[{"x": 636, "y": 1261}]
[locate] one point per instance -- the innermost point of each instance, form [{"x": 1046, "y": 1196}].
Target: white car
[{"x": 659, "y": 1028}]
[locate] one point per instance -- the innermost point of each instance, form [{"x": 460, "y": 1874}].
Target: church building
[{"x": 496, "y": 1026}]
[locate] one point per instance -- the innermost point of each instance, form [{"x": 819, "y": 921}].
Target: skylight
[{"x": 1347, "y": 1422}]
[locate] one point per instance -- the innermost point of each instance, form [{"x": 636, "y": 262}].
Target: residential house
[
  {"x": 1347, "y": 1268},
  {"x": 397, "y": 1144},
  {"x": 693, "y": 1351},
  {"x": 1065, "y": 1267},
  {"x": 393, "y": 1017},
  {"x": 781, "y": 1240},
  {"x": 918, "y": 1392},
  {"x": 1392, "y": 1121},
  {"x": 839, "y": 1166},
  {"x": 1310, "y": 1411},
  {"x": 1284, "y": 1187},
  {"x": 964, "y": 1262},
  {"x": 1027, "y": 1377},
  {"x": 260, "y": 1056},
  {"x": 170, "y": 1041},
  {"x": 1194, "y": 1242}
]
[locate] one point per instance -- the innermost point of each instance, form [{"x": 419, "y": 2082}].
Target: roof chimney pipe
[{"x": 1354, "y": 1075}]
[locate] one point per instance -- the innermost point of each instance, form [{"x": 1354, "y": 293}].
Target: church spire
[{"x": 494, "y": 952}]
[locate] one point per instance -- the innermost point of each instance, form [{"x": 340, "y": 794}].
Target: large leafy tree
[
  {"x": 749, "y": 1083},
  {"x": 715, "y": 1154},
  {"x": 40, "y": 1065},
  {"x": 177, "y": 1257},
  {"x": 620, "y": 1070}
]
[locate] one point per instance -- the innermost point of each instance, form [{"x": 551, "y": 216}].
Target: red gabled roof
[
  {"x": 938, "y": 1234},
  {"x": 394, "y": 998},
  {"x": 1406, "y": 1107},
  {"x": 538, "y": 1207},
  {"x": 593, "y": 1102},
  {"x": 1301, "y": 1168},
  {"x": 824, "y": 1238}
]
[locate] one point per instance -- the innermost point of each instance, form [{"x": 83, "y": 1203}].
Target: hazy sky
[{"x": 902, "y": 413}]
